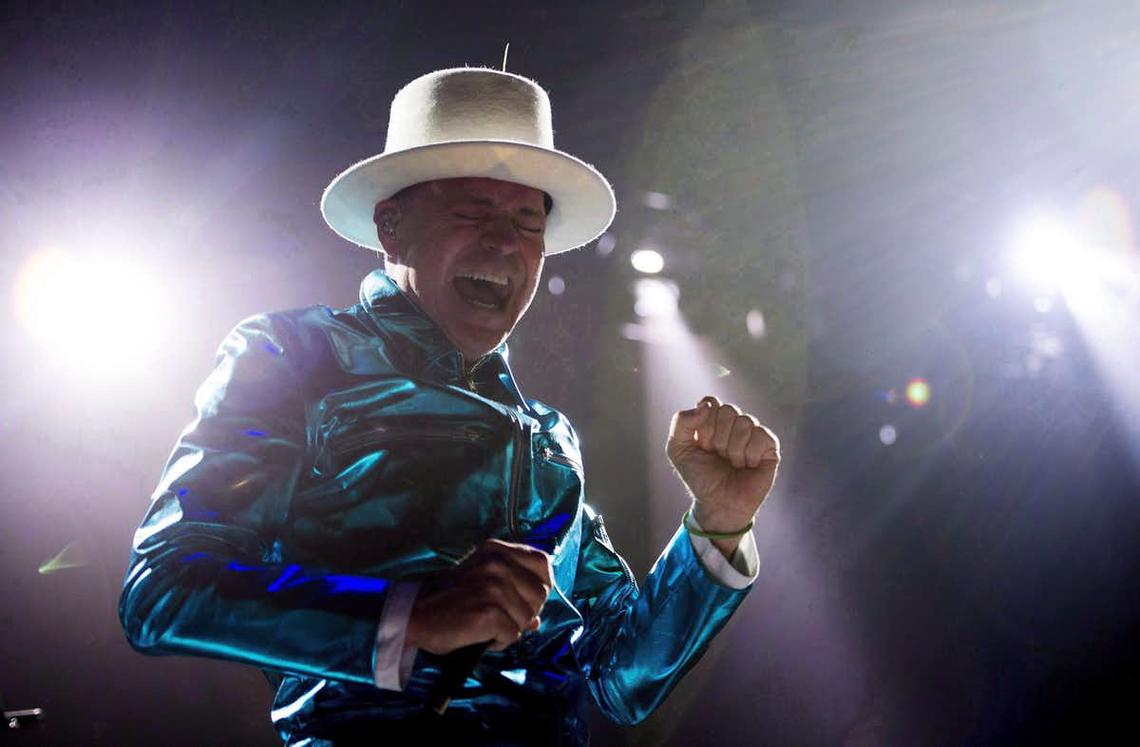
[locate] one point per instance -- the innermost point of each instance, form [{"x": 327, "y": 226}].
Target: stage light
[
  {"x": 37, "y": 305},
  {"x": 917, "y": 392},
  {"x": 1045, "y": 253},
  {"x": 648, "y": 261},
  {"x": 655, "y": 299},
  {"x": 90, "y": 312},
  {"x": 887, "y": 434}
]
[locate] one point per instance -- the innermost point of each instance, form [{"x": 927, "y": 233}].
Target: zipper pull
[{"x": 467, "y": 376}]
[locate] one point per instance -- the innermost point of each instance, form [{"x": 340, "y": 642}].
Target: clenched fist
[
  {"x": 727, "y": 460},
  {"x": 494, "y": 595}
]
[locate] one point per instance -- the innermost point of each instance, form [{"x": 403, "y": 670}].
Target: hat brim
[{"x": 584, "y": 203}]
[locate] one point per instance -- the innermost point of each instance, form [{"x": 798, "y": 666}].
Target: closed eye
[{"x": 520, "y": 226}]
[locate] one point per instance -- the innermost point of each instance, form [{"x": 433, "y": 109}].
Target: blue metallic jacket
[{"x": 337, "y": 451}]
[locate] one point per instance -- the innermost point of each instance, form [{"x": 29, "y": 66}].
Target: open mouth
[{"x": 485, "y": 290}]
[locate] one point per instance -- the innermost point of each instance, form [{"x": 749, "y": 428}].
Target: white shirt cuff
[
  {"x": 740, "y": 572},
  {"x": 392, "y": 660}
]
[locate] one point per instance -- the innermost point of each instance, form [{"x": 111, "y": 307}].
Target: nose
[{"x": 499, "y": 234}]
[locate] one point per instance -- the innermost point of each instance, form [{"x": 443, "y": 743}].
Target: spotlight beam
[{"x": 812, "y": 647}]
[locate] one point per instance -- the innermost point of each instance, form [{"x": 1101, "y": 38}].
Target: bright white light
[
  {"x": 647, "y": 261},
  {"x": 1095, "y": 269},
  {"x": 755, "y": 324},
  {"x": 556, "y": 285},
  {"x": 1046, "y": 254},
  {"x": 92, "y": 312},
  {"x": 888, "y": 434},
  {"x": 1057, "y": 260},
  {"x": 656, "y": 299}
]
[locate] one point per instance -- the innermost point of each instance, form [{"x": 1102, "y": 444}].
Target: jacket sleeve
[
  {"x": 207, "y": 576},
  {"x": 637, "y": 643}
]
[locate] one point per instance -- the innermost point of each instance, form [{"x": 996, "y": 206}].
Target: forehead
[{"x": 491, "y": 192}]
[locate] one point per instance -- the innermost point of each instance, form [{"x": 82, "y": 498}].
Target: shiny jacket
[{"x": 337, "y": 451}]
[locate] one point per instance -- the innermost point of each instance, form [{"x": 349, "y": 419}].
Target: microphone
[{"x": 457, "y": 666}]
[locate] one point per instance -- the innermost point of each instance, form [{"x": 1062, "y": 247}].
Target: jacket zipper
[
  {"x": 468, "y": 436},
  {"x": 551, "y": 455},
  {"x": 516, "y": 473},
  {"x": 516, "y": 460},
  {"x": 469, "y": 375}
]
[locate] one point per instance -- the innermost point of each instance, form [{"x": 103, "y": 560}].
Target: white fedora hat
[{"x": 473, "y": 122}]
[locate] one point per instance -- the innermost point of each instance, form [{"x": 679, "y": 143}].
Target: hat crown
[
  {"x": 472, "y": 122},
  {"x": 469, "y": 104}
]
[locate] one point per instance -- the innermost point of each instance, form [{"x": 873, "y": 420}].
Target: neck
[{"x": 399, "y": 275}]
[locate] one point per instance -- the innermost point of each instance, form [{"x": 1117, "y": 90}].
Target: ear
[{"x": 386, "y": 216}]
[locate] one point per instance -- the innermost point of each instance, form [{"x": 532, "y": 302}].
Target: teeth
[{"x": 496, "y": 279}]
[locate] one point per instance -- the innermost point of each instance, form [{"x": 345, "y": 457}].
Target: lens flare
[
  {"x": 917, "y": 392},
  {"x": 658, "y": 200},
  {"x": 66, "y": 558},
  {"x": 755, "y": 324},
  {"x": 606, "y": 245}
]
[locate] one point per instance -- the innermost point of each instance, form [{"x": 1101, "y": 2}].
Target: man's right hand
[{"x": 493, "y": 596}]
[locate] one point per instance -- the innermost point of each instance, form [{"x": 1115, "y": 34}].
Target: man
[{"x": 365, "y": 494}]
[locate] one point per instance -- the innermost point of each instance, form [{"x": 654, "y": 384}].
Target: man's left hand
[{"x": 727, "y": 460}]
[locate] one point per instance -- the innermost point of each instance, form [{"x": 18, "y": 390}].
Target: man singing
[{"x": 368, "y": 508}]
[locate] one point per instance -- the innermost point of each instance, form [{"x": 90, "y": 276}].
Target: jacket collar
[{"x": 420, "y": 346}]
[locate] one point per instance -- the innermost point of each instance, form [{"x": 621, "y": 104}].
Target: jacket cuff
[
  {"x": 739, "y": 572},
  {"x": 392, "y": 660}
]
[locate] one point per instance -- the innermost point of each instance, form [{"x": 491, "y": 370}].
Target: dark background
[{"x": 851, "y": 170}]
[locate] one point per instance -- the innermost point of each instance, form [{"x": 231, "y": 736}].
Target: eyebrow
[{"x": 485, "y": 202}]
